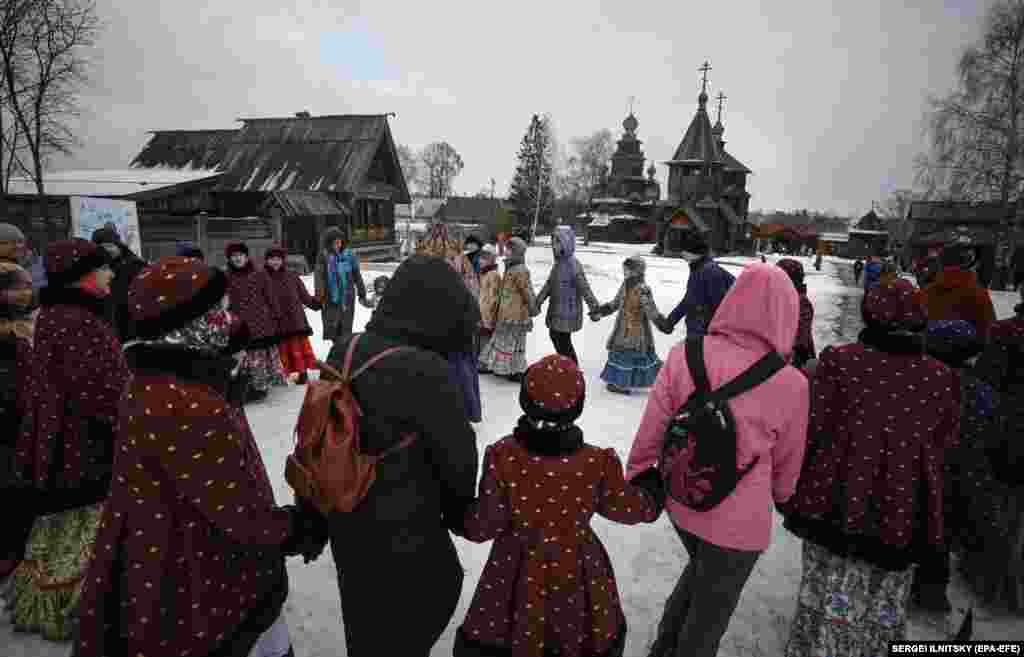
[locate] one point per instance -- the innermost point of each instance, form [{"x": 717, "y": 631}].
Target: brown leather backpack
[{"x": 327, "y": 467}]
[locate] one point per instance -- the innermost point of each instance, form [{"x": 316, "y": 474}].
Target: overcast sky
[{"x": 825, "y": 97}]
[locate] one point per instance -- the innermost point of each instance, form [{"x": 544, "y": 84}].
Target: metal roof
[
  {"x": 185, "y": 149},
  {"x": 699, "y": 143},
  {"x": 109, "y": 182}
]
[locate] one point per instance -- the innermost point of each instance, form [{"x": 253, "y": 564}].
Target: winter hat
[
  {"x": 11, "y": 233},
  {"x": 473, "y": 240},
  {"x": 276, "y": 251},
  {"x": 517, "y": 247},
  {"x": 69, "y": 260},
  {"x": 958, "y": 255},
  {"x": 235, "y": 247},
  {"x": 636, "y": 265},
  {"x": 553, "y": 390},
  {"x": 894, "y": 306},
  {"x": 172, "y": 292},
  {"x": 380, "y": 281},
  {"x": 953, "y": 341},
  {"x": 189, "y": 250},
  {"x": 106, "y": 235},
  {"x": 795, "y": 271}
]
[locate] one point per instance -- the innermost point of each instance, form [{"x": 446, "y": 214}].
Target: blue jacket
[
  {"x": 705, "y": 289},
  {"x": 872, "y": 275}
]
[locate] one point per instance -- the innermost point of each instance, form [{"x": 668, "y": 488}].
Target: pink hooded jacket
[{"x": 759, "y": 313}]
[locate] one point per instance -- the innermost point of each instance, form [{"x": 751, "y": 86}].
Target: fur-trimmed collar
[
  {"x": 191, "y": 365},
  {"x": 72, "y": 296},
  {"x": 893, "y": 342},
  {"x": 548, "y": 442}
]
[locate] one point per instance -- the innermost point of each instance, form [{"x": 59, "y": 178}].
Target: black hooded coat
[{"x": 398, "y": 572}]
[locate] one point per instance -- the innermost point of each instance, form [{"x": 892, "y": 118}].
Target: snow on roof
[
  {"x": 834, "y": 237},
  {"x": 108, "y": 182}
]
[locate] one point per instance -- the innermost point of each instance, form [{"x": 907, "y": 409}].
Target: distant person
[
  {"x": 803, "y": 348},
  {"x": 872, "y": 273},
  {"x": 568, "y": 288},
  {"x": 126, "y": 266},
  {"x": 292, "y": 299},
  {"x": 337, "y": 281},
  {"x": 633, "y": 361},
  {"x": 505, "y": 353},
  {"x": 706, "y": 286}
]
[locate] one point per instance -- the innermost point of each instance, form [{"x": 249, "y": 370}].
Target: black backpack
[{"x": 698, "y": 457}]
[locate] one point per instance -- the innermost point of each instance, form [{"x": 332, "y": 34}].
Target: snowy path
[{"x": 647, "y": 558}]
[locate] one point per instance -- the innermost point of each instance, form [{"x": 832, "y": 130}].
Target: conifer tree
[{"x": 531, "y": 190}]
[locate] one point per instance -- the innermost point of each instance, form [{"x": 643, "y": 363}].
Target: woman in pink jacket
[{"x": 758, "y": 315}]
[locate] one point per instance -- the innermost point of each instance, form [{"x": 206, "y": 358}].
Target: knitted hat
[
  {"x": 953, "y": 341},
  {"x": 235, "y": 247},
  {"x": 276, "y": 251},
  {"x": 11, "y": 233},
  {"x": 894, "y": 306},
  {"x": 69, "y": 260},
  {"x": 795, "y": 270},
  {"x": 171, "y": 292},
  {"x": 106, "y": 235},
  {"x": 553, "y": 390}
]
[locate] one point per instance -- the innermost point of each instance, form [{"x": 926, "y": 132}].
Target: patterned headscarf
[{"x": 210, "y": 332}]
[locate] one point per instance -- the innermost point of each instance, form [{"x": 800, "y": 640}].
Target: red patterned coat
[
  {"x": 548, "y": 580},
  {"x": 291, "y": 297},
  {"x": 83, "y": 374},
  {"x": 188, "y": 556},
  {"x": 252, "y": 299},
  {"x": 872, "y": 481}
]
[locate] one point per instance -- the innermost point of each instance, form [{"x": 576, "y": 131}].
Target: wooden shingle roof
[{"x": 185, "y": 149}]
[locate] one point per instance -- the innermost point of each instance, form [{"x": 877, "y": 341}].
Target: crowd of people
[{"x": 147, "y": 525}]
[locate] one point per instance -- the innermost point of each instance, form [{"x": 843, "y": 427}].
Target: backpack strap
[
  {"x": 346, "y": 369},
  {"x": 755, "y": 375},
  {"x": 695, "y": 361}
]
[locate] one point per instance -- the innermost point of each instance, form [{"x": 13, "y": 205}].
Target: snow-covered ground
[{"x": 647, "y": 558}]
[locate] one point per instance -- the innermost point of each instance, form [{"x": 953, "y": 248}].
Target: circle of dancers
[{"x": 143, "y": 520}]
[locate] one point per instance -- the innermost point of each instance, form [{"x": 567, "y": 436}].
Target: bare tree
[
  {"x": 45, "y": 48},
  {"x": 977, "y": 131},
  {"x": 591, "y": 154},
  {"x": 441, "y": 165},
  {"x": 410, "y": 164},
  {"x": 12, "y": 146}
]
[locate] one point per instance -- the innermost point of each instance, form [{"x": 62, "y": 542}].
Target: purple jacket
[{"x": 705, "y": 289}]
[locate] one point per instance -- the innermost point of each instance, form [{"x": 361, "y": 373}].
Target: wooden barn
[{"x": 310, "y": 172}]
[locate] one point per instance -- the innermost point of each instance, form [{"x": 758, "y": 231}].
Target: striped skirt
[{"x": 505, "y": 353}]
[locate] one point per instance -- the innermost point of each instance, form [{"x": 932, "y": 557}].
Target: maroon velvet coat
[
  {"x": 188, "y": 557},
  {"x": 252, "y": 299},
  {"x": 83, "y": 375},
  {"x": 548, "y": 576},
  {"x": 291, "y": 296},
  {"x": 872, "y": 481}
]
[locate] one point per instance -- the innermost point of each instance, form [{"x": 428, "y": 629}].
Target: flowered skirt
[
  {"x": 847, "y": 607},
  {"x": 297, "y": 355},
  {"x": 46, "y": 586},
  {"x": 996, "y": 572},
  {"x": 263, "y": 367},
  {"x": 631, "y": 369},
  {"x": 505, "y": 353},
  {"x": 275, "y": 642}
]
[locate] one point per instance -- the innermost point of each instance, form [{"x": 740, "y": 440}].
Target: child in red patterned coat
[{"x": 548, "y": 586}]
